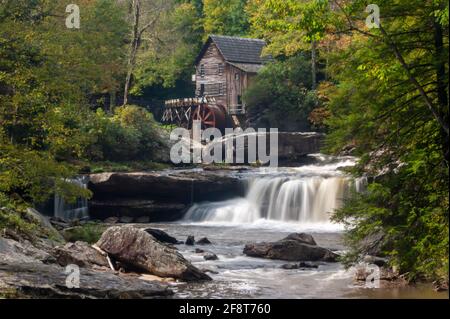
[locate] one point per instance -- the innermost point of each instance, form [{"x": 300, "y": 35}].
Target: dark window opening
[
  {"x": 202, "y": 70},
  {"x": 202, "y": 89},
  {"x": 239, "y": 99}
]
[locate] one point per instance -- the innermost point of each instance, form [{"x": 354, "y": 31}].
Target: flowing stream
[
  {"x": 71, "y": 211},
  {"x": 303, "y": 195},
  {"x": 277, "y": 202}
]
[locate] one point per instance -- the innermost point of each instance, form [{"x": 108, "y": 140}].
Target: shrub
[{"x": 130, "y": 134}]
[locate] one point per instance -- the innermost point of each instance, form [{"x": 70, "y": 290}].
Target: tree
[
  {"x": 171, "y": 58},
  {"x": 281, "y": 96},
  {"x": 290, "y": 26},
  {"x": 143, "y": 16},
  {"x": 225, "y": 17},
  {"x": 389, "y": 102}
]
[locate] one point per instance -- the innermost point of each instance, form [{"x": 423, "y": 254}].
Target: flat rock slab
[
  {"x": 39, "y": 280},
  {"x": 166, "y": 186}
]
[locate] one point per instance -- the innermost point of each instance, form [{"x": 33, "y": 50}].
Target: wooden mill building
[{"x": 225, "y": 68}]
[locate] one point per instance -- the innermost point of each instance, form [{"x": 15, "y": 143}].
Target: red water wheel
[{"x": 209, "y": 116}]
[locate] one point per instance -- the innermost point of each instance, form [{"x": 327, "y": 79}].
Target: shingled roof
[{"x": 238, "y": 50}]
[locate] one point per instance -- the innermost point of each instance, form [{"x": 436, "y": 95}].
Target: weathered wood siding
[
  {"x": 227, "y": 84},
  {"x": 213, "y": 81},
  {"x": 236, "y": 80}
]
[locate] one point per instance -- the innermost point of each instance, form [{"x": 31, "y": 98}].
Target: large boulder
[
  {"x": 79, "y": 253},
  {"x": 168, "y": 186},
  {"x": 295, "y": 247},
  {"x": 136, "y": 248}
]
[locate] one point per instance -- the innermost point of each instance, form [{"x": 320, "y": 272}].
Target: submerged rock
[
  {"x": 203, "y": 241},
  {"x": 307, "y": 265},
  {"x": 210, "y": 256},
  {"x": 190, "y": 241},
  {"x": 295, "y": 247},
  {"x": 138, "y": 249},
  {"x": 162, "y": 236},
  {"x": 290, "y": 266}
]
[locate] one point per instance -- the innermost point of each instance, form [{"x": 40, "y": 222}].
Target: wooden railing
[{"x": 189, "y": 101}]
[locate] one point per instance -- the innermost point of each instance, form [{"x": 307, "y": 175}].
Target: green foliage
[
  {"x": 171, "y": 58},
  {"x": 89, "y": 233},
  {"x": 289, "y": 25},
  {"x": 225, "y": 17},
  {"x": 132, "y": 166},
  {"x": 15, "y": 220},
  {"x": 46, "y": 72},
  {"x": 375, "y": 107},
  {"x": 281, "y": 95},
  {"x": 130, "y": 134}
]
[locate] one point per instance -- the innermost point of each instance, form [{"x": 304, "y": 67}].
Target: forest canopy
[{"x": 67, "y": 99}]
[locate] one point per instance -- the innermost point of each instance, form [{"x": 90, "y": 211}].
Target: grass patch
[
  {"x": 108, "y": 167},
  {"x": 89, "y": 232},
  {"x": 11, "y": 293}
]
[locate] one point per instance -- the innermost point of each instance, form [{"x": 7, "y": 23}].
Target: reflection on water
[{"x": 239, "y": 276}]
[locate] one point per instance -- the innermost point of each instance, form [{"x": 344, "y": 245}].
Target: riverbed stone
[
  {"x": 190, "y": 241},
  {"x": 162, "y": 236},
  {"x": 22, "y": 252},
  {"x": 292, "y": 248},
  {"x": 210, "y": 256},
  {"x": 203, "y": 241},
  {"x": 81, "y": 254},
  {"x": 138, "y": 249}
]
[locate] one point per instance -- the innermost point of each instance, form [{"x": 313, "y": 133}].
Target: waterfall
[
  {"x": 301, "y": 200},
  {"x": 77, "y": 210}
]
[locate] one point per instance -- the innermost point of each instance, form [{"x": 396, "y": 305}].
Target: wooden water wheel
[{"x": 210, "y": 116}]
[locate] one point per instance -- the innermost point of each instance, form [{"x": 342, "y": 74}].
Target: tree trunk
[
  {"x": 136, "y": 7},
  {"x": 313, "y": 65},
  {"x": 441, "y": 77},
  {"x": 112, "y": 100}
]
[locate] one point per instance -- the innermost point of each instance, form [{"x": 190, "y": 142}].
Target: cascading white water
[
  {"x": 77, "y": 210},
  {"x": 307, "y": 194}
]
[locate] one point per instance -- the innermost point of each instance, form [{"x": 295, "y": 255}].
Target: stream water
[{"x": 277, "y": 203}]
